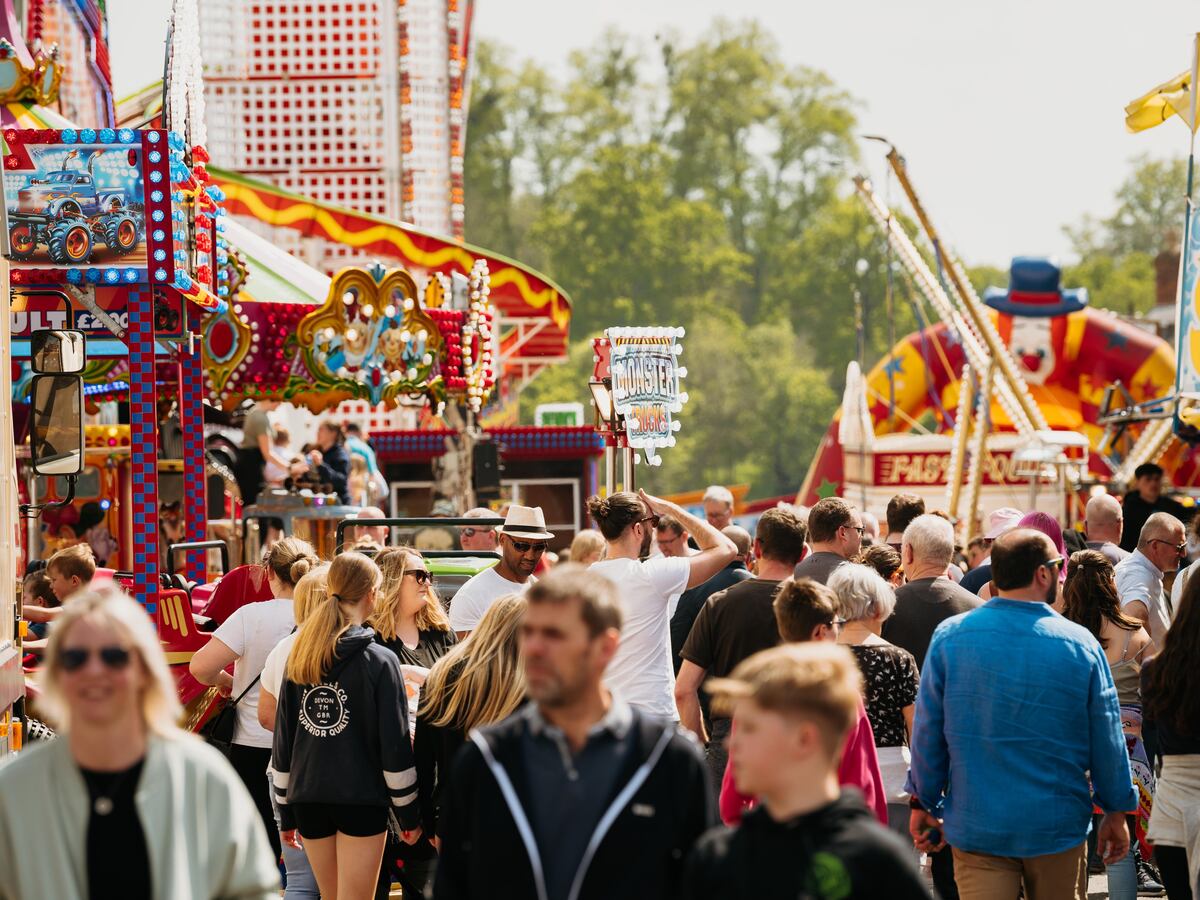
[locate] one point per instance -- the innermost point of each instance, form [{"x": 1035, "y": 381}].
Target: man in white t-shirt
[
  {"x": 642, "y": 672},
  {"x": 1160, "y": 547},
  {"x": 521, "y": 541}
]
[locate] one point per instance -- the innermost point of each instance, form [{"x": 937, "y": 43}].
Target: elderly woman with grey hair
[{"x": 890, "y": 678}]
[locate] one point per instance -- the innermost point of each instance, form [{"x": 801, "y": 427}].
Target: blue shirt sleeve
[
  {"x": 929, "y": 771},
  {"x": 1111, "y": 780}
]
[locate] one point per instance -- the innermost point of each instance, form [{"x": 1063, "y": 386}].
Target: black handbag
[{"x": 218, "y": 728}]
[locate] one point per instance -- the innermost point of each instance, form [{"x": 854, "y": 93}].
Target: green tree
[
  {"x": 1117, "y": 252},
  {"x": 630, "y": 252},
  {"x": 1148, "y": 217}
]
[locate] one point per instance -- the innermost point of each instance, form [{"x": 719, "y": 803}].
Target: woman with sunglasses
[
  {"x": 342, "y": 756},
  {"x": 243, "y": 641},
  {"x": 119, "y": 804},
  {"x": 409, "y": 621},
  {"x": 1090, "y": 599}
]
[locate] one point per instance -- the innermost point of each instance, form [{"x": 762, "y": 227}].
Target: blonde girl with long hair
[
  {"x": 244, "y": 640},
  {"x": 478, "y": 682},
  {"x": 409, "y": 621},
  {"x": 126, "y": 793},
  {"x": 342, "y": 756}
]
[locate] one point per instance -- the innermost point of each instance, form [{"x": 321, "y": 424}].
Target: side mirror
[
  {"x": 58, "y": 352},
  {"x": 57, "y": 429}
]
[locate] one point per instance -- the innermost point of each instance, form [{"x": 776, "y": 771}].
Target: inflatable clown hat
[{"x": 1035, "y": 289}]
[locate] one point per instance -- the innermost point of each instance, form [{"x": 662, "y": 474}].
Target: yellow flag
[{"x": 1174, "y": 97}]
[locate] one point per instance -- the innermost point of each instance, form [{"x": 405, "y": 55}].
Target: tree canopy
[{"x": 703, "y": 183}]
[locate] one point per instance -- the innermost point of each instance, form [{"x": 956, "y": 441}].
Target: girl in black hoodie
[{"x": 342, "y": 757}]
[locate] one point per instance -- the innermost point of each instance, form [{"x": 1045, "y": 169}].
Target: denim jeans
[
  {"x": 301, "y": 882},
  {"x": 1122, "y": 878}
]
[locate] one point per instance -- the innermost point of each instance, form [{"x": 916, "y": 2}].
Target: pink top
[{"x": 859, "y": 768}]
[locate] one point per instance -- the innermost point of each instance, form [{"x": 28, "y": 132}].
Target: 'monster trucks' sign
[{"x": 645, "y": 385}]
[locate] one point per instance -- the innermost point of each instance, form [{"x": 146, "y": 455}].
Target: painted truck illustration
[{"x": 68, "y": 212}]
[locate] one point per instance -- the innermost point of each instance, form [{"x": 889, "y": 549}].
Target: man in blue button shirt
[{"x": 1016, "y": 708}]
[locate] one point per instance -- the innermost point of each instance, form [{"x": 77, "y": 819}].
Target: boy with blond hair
[
  {"x": 71, "y": 569},
  {"x": 793, "y": 707}
]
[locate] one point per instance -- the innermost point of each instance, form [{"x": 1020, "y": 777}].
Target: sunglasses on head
[
  {"x": 422, "y": 576},
  {"x": 471, "y": 532},
  {"x": 74, "y": 658}
]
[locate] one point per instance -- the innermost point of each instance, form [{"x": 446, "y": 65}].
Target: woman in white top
[
  {"x": 311, "y": 591},
  {"x": 244, "y": 640}
]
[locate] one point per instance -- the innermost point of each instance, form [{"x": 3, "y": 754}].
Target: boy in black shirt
[{"x": 793, "y": 707}]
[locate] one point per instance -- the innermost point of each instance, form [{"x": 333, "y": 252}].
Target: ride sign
[{"x": 645, "y": 385}]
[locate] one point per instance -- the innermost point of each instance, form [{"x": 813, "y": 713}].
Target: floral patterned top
[{"x": 890, "y": 683}]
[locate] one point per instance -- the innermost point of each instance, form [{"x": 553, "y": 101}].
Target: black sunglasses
[
  {"x": 1179, "y": 548},
  {"x": 73, "y": 659},
  {"x": 1055, "y": 563},
  {"x": 653, "y": 520},
  {"x": 422, "y": 576},
  {"x": 471, "y": 532},
  {"x": 526, "y": 546}
]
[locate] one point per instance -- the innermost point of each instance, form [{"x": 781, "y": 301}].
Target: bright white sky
[{"x": 1009, "y": 113}]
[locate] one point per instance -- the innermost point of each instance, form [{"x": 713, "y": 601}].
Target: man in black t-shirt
[
  {"x": 835, "y": 532},
  {"x": 929, "y": 597},
  {"x": 1144, "y": 501},
  {"x": 735, "y": 624}
]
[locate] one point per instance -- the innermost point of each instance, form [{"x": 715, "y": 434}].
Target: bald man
[
  {"x": 377, "y": 534},
  {"x": 1161, "y": 545},
  {"x": 1103, "y": 523}
]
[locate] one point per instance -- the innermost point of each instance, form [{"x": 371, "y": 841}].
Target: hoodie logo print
[{"x": 323, "y": 710}]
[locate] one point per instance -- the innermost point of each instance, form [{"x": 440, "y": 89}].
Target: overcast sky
[{"x": 1009, "y": 112}]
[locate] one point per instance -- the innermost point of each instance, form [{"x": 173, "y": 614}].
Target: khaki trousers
[{"x": 1056, "y": 876}]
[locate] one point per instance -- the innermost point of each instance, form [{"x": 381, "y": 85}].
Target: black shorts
[{"x": 322, "y": 820}]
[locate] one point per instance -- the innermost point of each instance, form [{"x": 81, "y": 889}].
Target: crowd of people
[{"x": 681, "y": 709}]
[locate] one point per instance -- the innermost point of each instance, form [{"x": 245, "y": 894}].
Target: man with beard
[
  {"x": 1016, "y": 708},
  {"x": 643, "y": 673},
  {"x": 578, "y": 794},
  {"x": 521, "y": 541}
]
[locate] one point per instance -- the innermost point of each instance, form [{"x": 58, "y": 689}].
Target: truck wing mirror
[
  {"x": 56, "y": 435},
  {"x": 58, "y": 352}
]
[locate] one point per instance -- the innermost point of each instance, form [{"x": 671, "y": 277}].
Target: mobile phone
[{"x": 933, "y": 835}]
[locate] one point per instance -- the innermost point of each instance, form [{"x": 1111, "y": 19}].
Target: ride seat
[{"x": 237, "y": 587}]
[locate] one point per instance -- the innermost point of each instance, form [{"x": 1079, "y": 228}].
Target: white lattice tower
[
  {"x": 356, "y": 103},
  {"x": 973, "y": 347}
]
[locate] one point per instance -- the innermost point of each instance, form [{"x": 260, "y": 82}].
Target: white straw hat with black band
[{"x": 525, "y": 522}]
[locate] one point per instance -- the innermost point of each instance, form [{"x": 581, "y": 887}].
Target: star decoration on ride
[{"x": 827, "y": 489}]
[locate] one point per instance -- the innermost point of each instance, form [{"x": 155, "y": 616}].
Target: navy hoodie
[
  {"x": 345, "y": 741},
  {"x": 837, "y": 852}
]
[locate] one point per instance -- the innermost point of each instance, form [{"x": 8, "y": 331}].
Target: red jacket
[{"x": 859, "y": 768}]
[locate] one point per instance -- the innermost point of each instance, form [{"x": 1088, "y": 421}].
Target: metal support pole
[
  {"x": 627, "y": 464},
  {"x": 610, "y": 470}
]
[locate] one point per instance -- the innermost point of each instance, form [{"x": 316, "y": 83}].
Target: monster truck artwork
[{"x": 69, "y": 213}]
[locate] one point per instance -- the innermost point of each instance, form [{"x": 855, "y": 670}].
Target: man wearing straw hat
[{"x": 521, "y": 540}]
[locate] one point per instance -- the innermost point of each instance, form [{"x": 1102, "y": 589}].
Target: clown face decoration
[{"x": 1032, "y": 345}]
